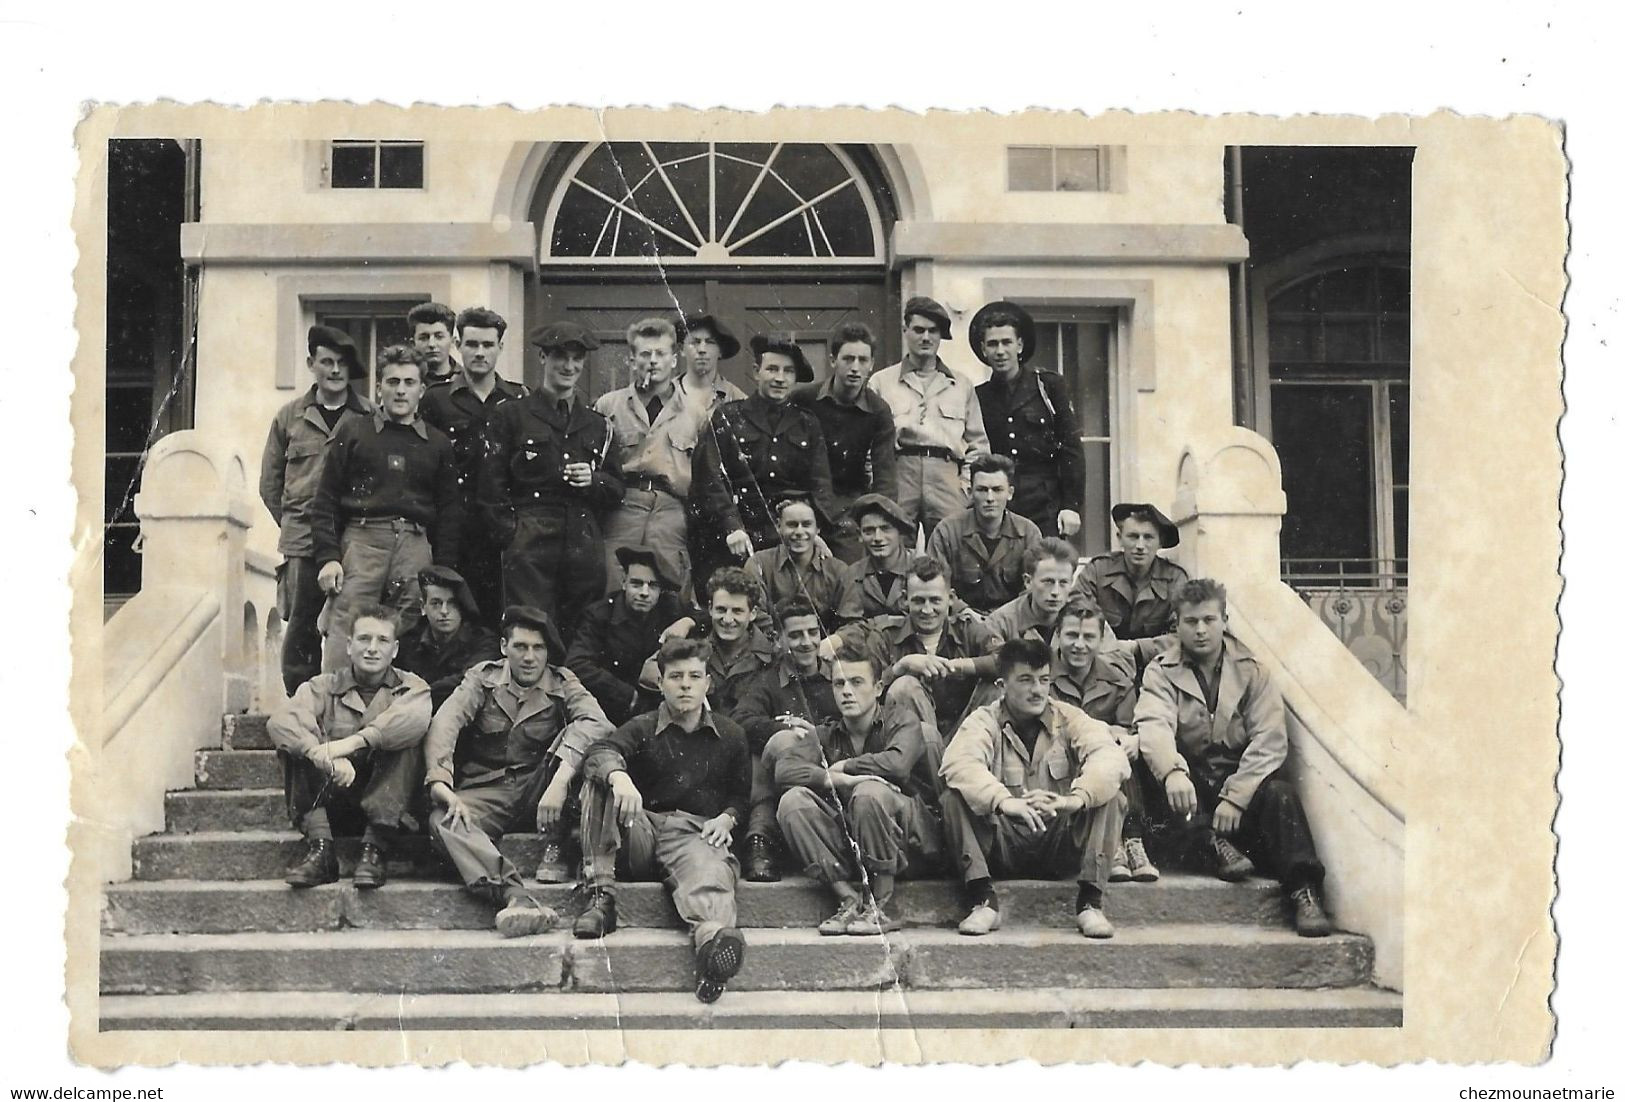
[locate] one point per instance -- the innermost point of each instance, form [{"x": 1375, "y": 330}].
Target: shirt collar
[
  {"x": 352, "y": 400},
  {"x": 787, "y": 672},
  {"x": 664, "y": 721},
  {"x": 550, "y": 681},
  {"x": 344, "y": 679},
  {"x": 866, "y": 398},
  {"x": 417, "y": 424}
]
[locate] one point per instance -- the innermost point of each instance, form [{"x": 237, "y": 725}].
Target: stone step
[
  {"x": 238, "y": 769},
  {"x": 245, "y": 732},
  {"x": 192, "y": 810},
  {"x": 1038, "y": 1008},
  {"x": 214, "y": 906},
  {"x": 479, "y": 961}
]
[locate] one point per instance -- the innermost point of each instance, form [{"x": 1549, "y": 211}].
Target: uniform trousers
[
  {"x": 299, "y": 601},
  {"x": 916, "y": 698},
  {"x": 649, "y": 518},
  {"x": 873, "y": 825},
  {"x": 664, "y": 844},
  {"x": 384, "y": 794},
  {"x": 501, "y": 805},
  {"x": 1274, "y": 831},
  {"x": 929, "y": 490},
  {"x": 555, "y": 562},
  {"x": 381, "y": 560},
  {"x": 1073, "y": 845}
]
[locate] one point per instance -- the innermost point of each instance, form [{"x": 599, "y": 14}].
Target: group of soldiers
[{"x": 846, "y": 630}]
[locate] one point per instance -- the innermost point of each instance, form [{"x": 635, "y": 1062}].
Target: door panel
[{"x": 812, "y": 309}]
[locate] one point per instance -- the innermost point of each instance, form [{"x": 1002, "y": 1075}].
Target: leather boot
[
  {"x": 369, "y": 870},
  {"x": 552, "y": 868},
  {"x": 759, "y": 864},
  {"x": 599, "y": 917},
  {"x": 1309, "y": 913},
  {"x": 320, "y": 865}
]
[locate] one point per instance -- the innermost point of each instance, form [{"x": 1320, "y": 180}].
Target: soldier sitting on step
[
  {"x": 617, "y": 635},
  {"x": 449, "y": 640},
  {"x": 664, "y": 793},
  {"x": 1212, "y": 732},
  {"x": 856, "y": 798},
  {"x": 501, "y": 754},
  {"x": 351, "y": 741},
  {"x": 1099, "y": 679},
  {"x": 1046, "y": 578},
  {"x": 876, "y": 584},
  {"x": 1032, "y": 788},
  {"x": 985, "y": 546}
]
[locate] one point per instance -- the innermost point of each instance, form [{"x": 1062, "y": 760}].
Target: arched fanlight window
[{"x": 713, "y": 203}]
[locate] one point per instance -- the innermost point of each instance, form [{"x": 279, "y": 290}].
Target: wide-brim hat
[
  {"x": 1167, "y": 529},
  {"x": 447, "y": 578},
  {"x": 562, "y": 334},
  {"x": 648, "y": 556},
  {"x": 784, "y": 344},
  {"x": 727, "y": 343},
  {"x": 930, "y": 308},
  {"x": 1026, "y": 328},
  {"x": 886, "y": 507},
  {"x": 325, "y": 336},
  {"x": 550, "y": 631}
]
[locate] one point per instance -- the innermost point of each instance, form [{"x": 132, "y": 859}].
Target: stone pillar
[
  {"x": 1228, "y": 506},
  {"x": 195, "y": 513}
]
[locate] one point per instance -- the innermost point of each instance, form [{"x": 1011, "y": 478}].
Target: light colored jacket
[
  {"x": 933, "y": 409},
  {"x": 329, "y": 707},
  {"x": 1234, "y": 747},
  {"x": 664, "y": 449},
  {"x": 987, "y": 764},
  {"x": 505, "y": 727}
]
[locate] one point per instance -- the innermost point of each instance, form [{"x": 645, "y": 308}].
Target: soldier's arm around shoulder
[
  {"x": 448, "y": 722},
  {"x": 1263, "y": 714},
  {"x": 406, "y": 721}
]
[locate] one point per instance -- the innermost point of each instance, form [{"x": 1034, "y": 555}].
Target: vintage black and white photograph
[{"x": 795, "y": 572}]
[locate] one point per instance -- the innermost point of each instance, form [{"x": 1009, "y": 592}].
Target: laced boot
[
  {"x": 1309, "y": 913},
  {"x": 553, "y": 868},
  {"x": 760, "y": 867},
  {"x": 320, "y": 865},
  {"x": 1233, "y": 865},
  {"x": 1140, "y": 867},
  {"x": 1120, "y": 869},
  {"x": 720, "y": 959},
  {"x": 599, "y": 917},
  {"x": 369, "y": 870},
  {"x": 522, "y": 916}
]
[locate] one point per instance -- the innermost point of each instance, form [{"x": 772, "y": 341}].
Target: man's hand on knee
[
  {"x": 1181, "y": 794},
  {"x": 331, "y": 578},
  {"x": 718, "y": 831},
  {"x": 1227, "y": 818},
  {"x": 628, "y": 800}
]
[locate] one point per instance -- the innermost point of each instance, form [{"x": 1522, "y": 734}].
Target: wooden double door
[{"x": 811, "y": 307}]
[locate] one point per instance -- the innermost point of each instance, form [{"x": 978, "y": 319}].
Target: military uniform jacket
[
  {"x": 756, "y": 455},
  {"x": 985, "y": 573},
  {"x": 527, "y": 444},
  {"x": 491, "y": 726},
  {"x": 821, "y": 583},
  {"x": 933, "y": 409},
  {"x": 662, "y": 449},
  {"x": 893, "y": 749},
  {"x": 873, "y": 589},
  {"x": 1132, "y": 613},
  {"x": 1018, "y": 619},
  {"x": 728, "y": 676},
  {"x": 375, "y": 467},
  {"x": 1234, "y": 747},
  {"x": 987, "y": 763},
  {"x": 963, "y": 636},
  {"x": 611, "y": 644},
  {"x": 291, "y": 466},
  {"x": 1032, "y": 423},
  {"x": 452, "y": 407},
  {"x": 443, "y": 665},
  {"x": 1105, "y": 691},
  {"x": 778, "y": 691},
  {"x": 330, "y": 706},
  {"x": 861, "y": 438}
]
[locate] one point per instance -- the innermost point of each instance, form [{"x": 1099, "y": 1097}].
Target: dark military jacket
[
  {"x": 1133, "y": 613},
  {"x": 869, "y": 589},
  {"x": 861, "y": 438},
  {"x": 375, "y": 468},
  {"x": 755, "y": 455},
  {"x": 442, "y": 665},
  {"x": 964, "y": 635},
  {"x": 779, "y": 691},
  {"x": 1032, "y": 423},
  {"x": 452, "y": 407},
  {"x": 985, "y": 573},
  {"x": 610, "y": 646},
  {"x": 527, "y": 444}
]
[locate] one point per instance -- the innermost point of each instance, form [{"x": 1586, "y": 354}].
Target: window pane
[
  {"x": 1394, "y": 290},
  {"x": 353, "y": 164},
  {"x": 1323, "y": 436},
  {"x": 1097, "y": 499},
  {"x": 121, "y": 566},
  {"x": 1089, "y": 367},
  {"x": 1396, "y": 338},
  {"x": 123, "y": 474},
  {"x": 1031, "y": 168},
  {"x": 1077, "y": 169},
  {"x": 1289, "y": 340},
  {"x": 1351, "y": 289},
  {"x": 1399, "y": 428},
  {"x": 129, "y": 418},
  {"x": 1348, "y": 341},
  {"x": 1402, "y": 528},
  {"x": 401, "y": 165}
]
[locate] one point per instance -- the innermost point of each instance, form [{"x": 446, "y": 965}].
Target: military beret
[
  {"x": 727, "y": 343},
  {"x": 1167, "y": 529},
  {"x": 886, "y": 507},
  {"x": 784, "y": 344},
  {"x": 648, "y": 556},
  {"x": 930, "y": 308},
  {"x": 325, "y": 336},
  {"x": 562, "y": 334}
]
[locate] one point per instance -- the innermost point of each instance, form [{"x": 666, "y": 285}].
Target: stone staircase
[{"x": 208, "y": 937}]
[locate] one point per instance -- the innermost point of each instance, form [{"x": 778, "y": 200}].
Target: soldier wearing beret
[
  {"x": 618, "y": 634},
  {"x": 763, "y": 450},
  {"x": 459, "y": 406},
  {"x": 1135, "y": 587},
  {"x": 876, "y": 584},
  {"x": 549, "y": 467},
  {"x": 449, "y": 640},
  {"x": 939, "y": 421},
  {"x": 289, "y": 470},
  {"x": 1029, "y": 418}
]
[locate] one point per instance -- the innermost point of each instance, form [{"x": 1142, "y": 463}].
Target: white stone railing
[
  {"x": 201, "y": 638},
  {"x": 1349, "y": 736}
]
